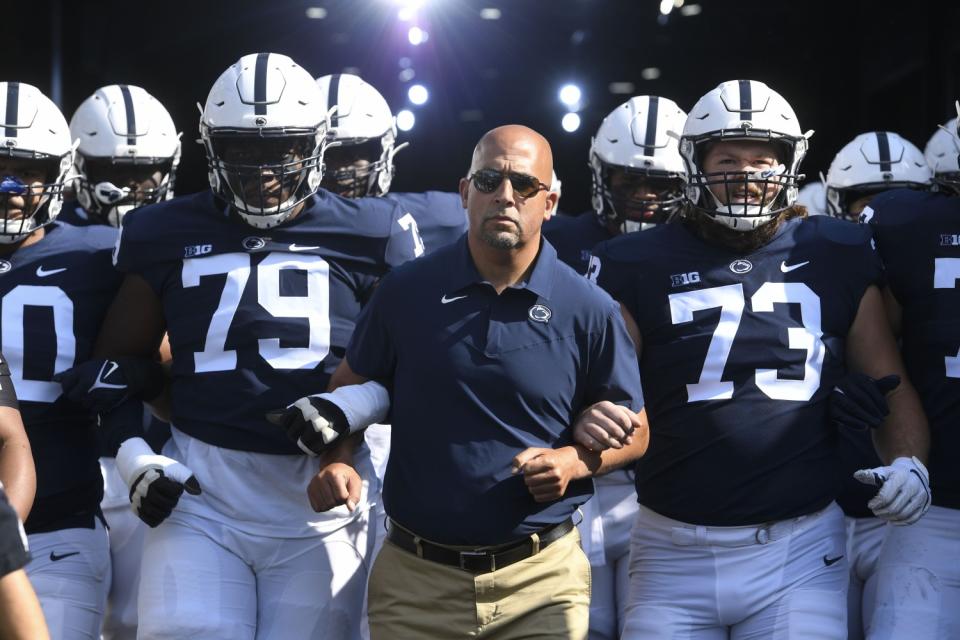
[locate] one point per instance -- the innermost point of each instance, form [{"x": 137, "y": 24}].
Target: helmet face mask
[
  {"x": 27, "y": 186},
  {"x": 748, "y": 112},
  {"x": 943, "y": 155},
  {"x": 266, "y": 175},
  {"x": 112, "y": 188},
  {"x": 353, "y": 170},
  {"x": 636, "y": 200}
]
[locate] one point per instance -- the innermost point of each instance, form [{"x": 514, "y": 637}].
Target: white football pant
[{"x": 864, "y": 537}]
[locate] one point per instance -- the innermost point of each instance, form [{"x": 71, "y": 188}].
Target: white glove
[
  {"x": 156, "y": 482},
  {"x": 904, "y": 494}
]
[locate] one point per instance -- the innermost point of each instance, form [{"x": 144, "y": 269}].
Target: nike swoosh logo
[
  {"x": 831, "y": 561},
  {"x": 104, "y": 374},
  {"x": 788, "y": 268},
  {"x": 446, "y": 300},
  {"x": 43, "y": 274},
  {"x": 296, "y": 247},
  {"x": 54, "y": 557}
]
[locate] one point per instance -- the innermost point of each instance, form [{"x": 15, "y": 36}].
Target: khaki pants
[{"x": 546, "y": 596}]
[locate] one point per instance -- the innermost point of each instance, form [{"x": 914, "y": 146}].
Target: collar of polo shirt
[{"x": 464, "y": 273}]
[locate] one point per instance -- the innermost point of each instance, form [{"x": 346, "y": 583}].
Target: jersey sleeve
[
  {"x": 614, "y": 373},
  {"x": 8, "y": 395},
  {"x": 404, "y": 242},
  {"x": 605, "y": 271},
  {"x": 371, "y": 352},
  {"x": 13, "y": 541}
]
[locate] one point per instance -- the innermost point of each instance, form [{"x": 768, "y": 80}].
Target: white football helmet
[
  {"x": 640, "y": 138},
  {"x": 943, "y": 156},
  {"x": 813, "y": 196},
  {"x": 264, "y": 135},
  {"x": 361, "y": 124},
  {"x": 745, "y": 110},
  {"x": 124, "y": 132},
  {"x": 871, "y": 163},
  {"x": 32, "y": 131}
]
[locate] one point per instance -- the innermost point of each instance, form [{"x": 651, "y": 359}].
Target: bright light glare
[
  {"x": 418, "y": 94},
  {"x": 570, "y": 95},
  {"x": 650, "y": 73},
  {"x": 417, "y": 36},
  {"x": 405, "y": 120},
  {"x": 316, "y": 13},
  {"x": 691, "y": 10},
  {"x": 490, "y": 13},
  {"x": 666, "y": 6},
  {"x": 570, "y": 122},
  {"x": 406, "y": 75}
]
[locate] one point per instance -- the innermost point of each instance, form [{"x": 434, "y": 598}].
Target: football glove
[
  {"x": 904, "y": 494},
  {"x": 859, "y": 402},
  {"x": 100, "y": 385},
  {"x": 156, "y": 482}
]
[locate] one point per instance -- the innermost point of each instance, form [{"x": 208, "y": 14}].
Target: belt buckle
[{"x": 464, "y": 555}]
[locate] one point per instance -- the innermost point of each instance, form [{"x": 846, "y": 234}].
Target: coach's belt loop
[
  {"x": 535, "y": 540},
  {"x": 416, "y": 542}
]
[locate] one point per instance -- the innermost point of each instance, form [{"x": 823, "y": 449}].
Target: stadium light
[
  {"x": 570, "y": 122},
  {"x": 418, "y": 94},
  {"x": 417, "y": 36},
  {"x": 570, "y": 95},
  {"x": 406, "y": 120}
]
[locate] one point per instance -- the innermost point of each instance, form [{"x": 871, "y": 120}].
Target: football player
[
  {"x": 870, "y": 164},
  {"x": 363, "y": 135},
  {"x": 637, "y": 183},
  {"x": 942, "y": 153},
  {"x": 750, "y": 313},
  {"x": 127, "y": 157},
  {"x": 637, "y": 178},
  {"x": 258, "y": 282},
  {"x": 56, "y": 282},
  {"x": 918, "y": 569}
]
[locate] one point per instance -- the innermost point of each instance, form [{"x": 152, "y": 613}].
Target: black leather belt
[{"x": 482, "y": 559}]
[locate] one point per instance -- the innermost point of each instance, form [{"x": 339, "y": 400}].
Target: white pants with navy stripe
[
  {"x": 608, "y": 518},
  {"x": 248, "y": 559},
  {"x": 864, "y": 538},
  {"x": 918, "y": 580},
  {"x": 70, "y": 571},
  {"x": 781, "y": 580}
]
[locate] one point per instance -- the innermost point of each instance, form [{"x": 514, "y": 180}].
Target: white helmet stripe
[
  {"x": 260, "y": 85},
  {"x": 131, "y": 116},
  {"x": 334, "y": 96},
  {"x": 746, "y": 100},
  {"x": 883, "y": 145},
  {"x": 650, "y": 139},
  {"x": 13, "y": 99}
]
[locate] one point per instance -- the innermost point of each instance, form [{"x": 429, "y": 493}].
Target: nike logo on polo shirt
[
  {"x": 446, "y": 300},
  {"x": 788, "y": 268},
  {"x": 296, "y": 247},
  {"x": 831, "y": 561},
  {"x": 54, "y": 557},
  {"x": 43, "y": 274}
]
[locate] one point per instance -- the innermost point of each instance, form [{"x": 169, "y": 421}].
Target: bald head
[{"x": 514, "y": 141}]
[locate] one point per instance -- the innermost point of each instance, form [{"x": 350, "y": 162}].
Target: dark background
[{"x": 846, "y": 67}]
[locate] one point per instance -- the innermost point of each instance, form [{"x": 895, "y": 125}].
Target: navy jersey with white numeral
[
  {"x": 745, "y": 350},
  {"x": 918, "y": 238},
  {"x": 439, "y": 216},
  {"x": 54, "y": 295},
  {"x": 258, "y": 318},
  {"x": 574, "y": 237}
]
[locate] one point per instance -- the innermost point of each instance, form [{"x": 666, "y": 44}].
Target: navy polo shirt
[{"x": 479, "y": 377}]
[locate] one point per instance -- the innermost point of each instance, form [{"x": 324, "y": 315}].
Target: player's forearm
[
  {"x": 20, "y": 615},
  {"x": 17, "y": 471},
  {"x": 597, "y": 463},
  {"x": 905, "y": 431}
]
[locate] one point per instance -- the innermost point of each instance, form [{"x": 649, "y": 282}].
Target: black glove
[
  {"x": 859, "y": 402},
  {"x": 313, "y": 424},
  {"x": 100, "y": 385}
]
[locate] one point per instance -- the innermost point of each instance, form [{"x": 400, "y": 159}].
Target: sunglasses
[{"x": 488, "y": 180}]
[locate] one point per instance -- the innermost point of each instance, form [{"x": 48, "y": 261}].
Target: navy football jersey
[
  {"x": 574, "y": 238},
  {"x": 258, "y": 318},
  {"x": 73, "y": 213},
  {"x": 438, "y": 215},
  {"x": 744, "y": 351},
  {"x": 54, "y": 295},
  {"x": 918, "y": 238}
]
